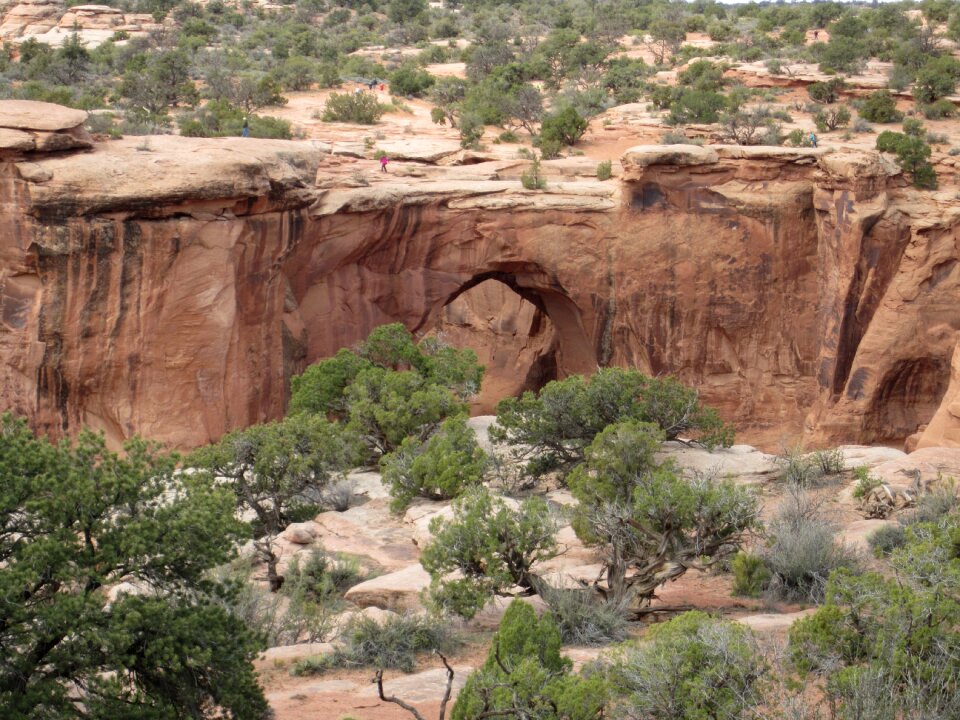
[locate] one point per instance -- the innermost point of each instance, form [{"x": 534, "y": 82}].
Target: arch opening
[{"x": 524, "y": 336}]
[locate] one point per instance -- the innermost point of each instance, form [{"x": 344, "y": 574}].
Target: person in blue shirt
[{"x": 813, "y": 139}]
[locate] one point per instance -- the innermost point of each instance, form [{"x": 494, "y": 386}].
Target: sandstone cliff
[{"x": 170, "y": 287}]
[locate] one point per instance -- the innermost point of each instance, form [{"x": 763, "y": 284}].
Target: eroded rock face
[{"x": 172, "y": 286}]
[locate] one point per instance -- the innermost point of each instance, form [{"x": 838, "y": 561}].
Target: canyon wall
[{"x": 172, "y": 289}]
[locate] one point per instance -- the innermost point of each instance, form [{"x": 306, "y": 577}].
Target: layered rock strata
[{"x": 171, "y": 286}]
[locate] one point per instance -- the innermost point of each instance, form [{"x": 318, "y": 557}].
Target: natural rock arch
[{"x": 575, "y": 352}]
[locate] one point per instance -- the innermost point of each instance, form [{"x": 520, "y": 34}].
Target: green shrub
[
  {"x": 218, "y": 118},
  {"x": 798, "y": 138},
  {"x": 692, "y": 105},
  {"x": 880, "y": 107},
  {"x": 936, "y": 79},
  {"x": 829, "y": 462},
  {"x": 884, "y": 644},
  {"x": 508, "y": 136},
  {"x": 865, "y": 482},
  {"x": 558, "y": 423},
  {"x": 322, "y": 577},
  {"x": 693, "y": 666},
  {"x": 829, "y": 119},
  {"x": 886, "y": 539},
  {"x": 604, "y": 170},
  {"x": 582, "y": 618},
  {"x": 471, "y": 130},
  {"x": 490, "y": 546},
  {"x": 566, "y": 127},
  {"x": 440, "y": 468},
  {"x": 410, "y": 81},
  {"x": 283, "y": 618},
  {"x": 549, "y": 148},
  {"x": 678, "y": 137},
  {"x": 826, "y": 92},
  {"x": 939, "y": 109},
  {"x": 750, "y": 575},
  {"x": 799, "y": 469},
  {"x": 362, "y": 108},
  {"x": 912, "y": 153},
  {"x": 656, "y": 522},
  {"x": 525, "y": 676},
  {"x": 803, "y": 550},
  {"x": 393, "y": 644},
  {"x": 933, "y": 506},
  {"x": 702, "y": 75},
  {"x": 531, "y": 179}
]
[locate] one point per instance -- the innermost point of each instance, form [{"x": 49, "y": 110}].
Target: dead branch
[{"x": 378, "y": 679}]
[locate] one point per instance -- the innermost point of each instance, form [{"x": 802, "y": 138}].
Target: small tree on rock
[
  {"x": 653, "y": 524},
  {"x": 491, "y": 546},
  {"x": 551, "y": 430},
  {"x": 441, "y": 468},
  {"x": 277, "y": 470}
]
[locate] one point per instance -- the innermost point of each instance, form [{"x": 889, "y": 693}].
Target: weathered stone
[
  {"x": 736, "y": 273},
  {"x": 643, "y": 156},
  {"x": 11, "y": 139},
  {"x": 35, "y": 115},
  {"x": 301, "y": 533},
  {"x": 744, "y": 463},
  {"x": 856, "y": 534},
  {"x": 369, "y": 530},
  {"x": 425, "y": 686},
  {"x": 287, "y": 654},
  {"x": 397, "y": 591}
]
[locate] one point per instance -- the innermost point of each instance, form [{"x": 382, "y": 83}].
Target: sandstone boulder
[
  {"x": 287, "y": 654},
  {"x": 771, "y": 152},
  {"x": 369, "y": 530},
  {"x": 643, "y": 156},
  {"x": 420, "y": 514},
  {"x": 303, "y": 533},
  {"x": 480, "y": 424},
  {"x": 944, "y": 429},
  {"x": 397, "y": 591},
  {"x": 930, "y": 462},
  {"x": 367, "y": 484},
  {"x": 35, "y": 115},
  {"x": 424, "y": 149},
  {"x": 744, "y": 463},
  {"x": 12, "y": 139},
  {"x": 857, "y": 455}
]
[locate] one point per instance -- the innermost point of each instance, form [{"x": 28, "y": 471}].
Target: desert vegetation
[
  {"x": 206, "y": 69},
  {"x": 589, "y": 512},
  {"x": 130, "y": 554}
]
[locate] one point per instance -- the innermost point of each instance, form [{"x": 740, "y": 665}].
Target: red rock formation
[{"x": 173, "y": 291}]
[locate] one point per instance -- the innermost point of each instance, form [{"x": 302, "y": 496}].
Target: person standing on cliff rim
[
  {"x": 813, "y": 139},
  {"x": 383, "y": 163},
  {"x": 246, "y": 128}
]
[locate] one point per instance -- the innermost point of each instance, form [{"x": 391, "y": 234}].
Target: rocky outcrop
[
  {"x": 171, "y": 286},
  {"x": 51, "y": 22}
]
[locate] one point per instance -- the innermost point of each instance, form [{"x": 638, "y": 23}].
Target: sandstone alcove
[
  {"x": 524, "y": 336},
  {"x": 908, "y": 396}
]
